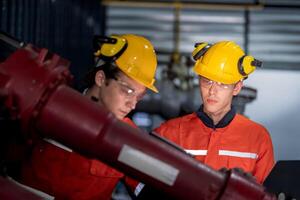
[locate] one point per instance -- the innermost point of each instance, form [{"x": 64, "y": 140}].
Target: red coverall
[
  {"x": 64, "y": 174},
  {"x": 241, "y": 143}
]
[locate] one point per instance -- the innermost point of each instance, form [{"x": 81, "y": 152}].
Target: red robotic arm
[{"x": 33, "y": 84}]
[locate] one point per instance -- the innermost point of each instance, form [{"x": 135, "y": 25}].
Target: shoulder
[
  {"x": 172, "y": 128},
  {"x": 249, "y": 124},
  {"x": 176, "y": 122},
  {"x": 129, "y": 122}
]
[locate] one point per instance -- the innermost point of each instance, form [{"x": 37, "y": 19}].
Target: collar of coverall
[{"x": 209, "y": 122}]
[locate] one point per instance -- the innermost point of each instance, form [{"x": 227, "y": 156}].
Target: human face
[
  {"x": 217, "y": 97},
  {"x": 121, "y": 95}
]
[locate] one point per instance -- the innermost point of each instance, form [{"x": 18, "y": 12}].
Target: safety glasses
[
  {"x": 127, "y": 91},
  {"x": 207, "y": 83}
]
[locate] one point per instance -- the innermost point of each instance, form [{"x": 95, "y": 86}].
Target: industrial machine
[{"x": 36, "y": 101}]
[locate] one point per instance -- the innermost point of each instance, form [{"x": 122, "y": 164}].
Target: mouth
[
  {"x": 211, "y": 101},
  {"x": 124, "y": 113}
]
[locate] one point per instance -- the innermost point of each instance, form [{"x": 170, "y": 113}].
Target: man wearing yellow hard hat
[
  {"x": 215, "y": 134},
  {"x": 125, "y": 67}
]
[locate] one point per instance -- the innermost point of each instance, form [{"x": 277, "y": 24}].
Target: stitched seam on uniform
[{"x": 238, "y": 154}]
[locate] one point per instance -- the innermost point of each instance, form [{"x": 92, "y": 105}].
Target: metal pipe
[{"x": 206, "y": 6}]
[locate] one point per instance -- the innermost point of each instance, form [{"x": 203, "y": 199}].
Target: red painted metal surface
[{"x": 11, "y": 191}]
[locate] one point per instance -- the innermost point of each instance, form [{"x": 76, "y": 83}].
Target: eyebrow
[
  {"x": 118, "y": 78},
  {"x": 125, "y": 83}
]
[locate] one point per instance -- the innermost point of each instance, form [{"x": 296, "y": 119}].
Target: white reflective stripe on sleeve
[
  {"x": 149, "y": 165},
  {"x": 197, "y": 152},
  {"x": 238, "y": 154},
  {"x": 139, "y": 188},
  {"x": 57, "y": 144}
]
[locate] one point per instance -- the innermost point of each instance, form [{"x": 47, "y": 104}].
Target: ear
[
  {"x": 237, "y": 88},
  {"x": 99, "y": 78}
]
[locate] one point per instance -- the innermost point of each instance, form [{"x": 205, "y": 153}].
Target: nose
[
  {"x": 212, "y": 88},
  {"x": 131, "y": 103}
]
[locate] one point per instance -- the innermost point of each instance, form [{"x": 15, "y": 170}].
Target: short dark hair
[{"x": 110, "y": 70}]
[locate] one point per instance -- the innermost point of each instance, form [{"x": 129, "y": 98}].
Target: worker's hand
[
  {"x": 248, "y": 175},
  {"x": 283, "y": 196},
  {"x": 240, "y": 171}
]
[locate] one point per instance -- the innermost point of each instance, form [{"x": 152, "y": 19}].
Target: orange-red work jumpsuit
[
  {"x": 64, "y": 174},
  {"x": 237, "y": 143}
]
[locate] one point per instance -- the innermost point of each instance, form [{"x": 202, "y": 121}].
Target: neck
[
  {"x": 94, "y": 94},
  {"x": 217, "y": 116},
  {"x": 210, "y": 123}
]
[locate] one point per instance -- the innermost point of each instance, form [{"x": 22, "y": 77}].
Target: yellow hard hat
[
  {"x": 224, "y": 62},
  {"x": 134, "y": 55}
]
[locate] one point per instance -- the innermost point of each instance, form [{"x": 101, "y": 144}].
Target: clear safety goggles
[
  {"x": 207, "y": 83},
  {"x": 127, "y": 91}
]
